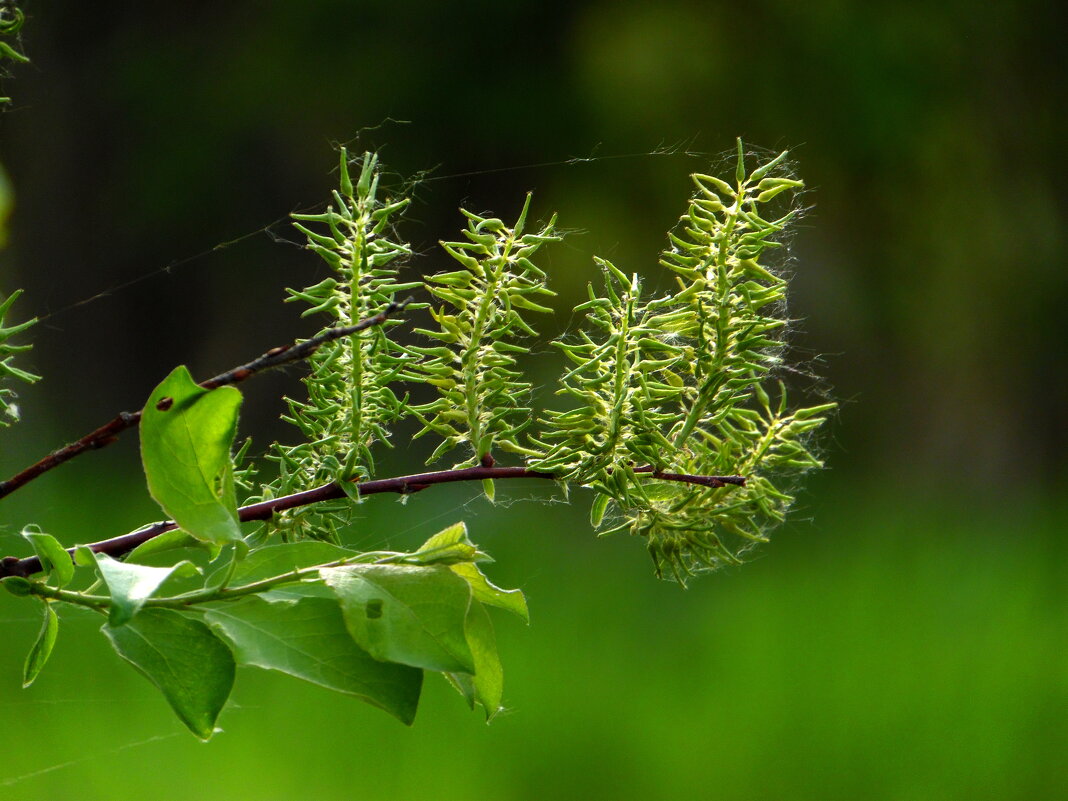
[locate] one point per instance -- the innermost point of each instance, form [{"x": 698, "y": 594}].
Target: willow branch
[
  {"x": 401, "y": 485},
  {"x": 275, "y": 357}
]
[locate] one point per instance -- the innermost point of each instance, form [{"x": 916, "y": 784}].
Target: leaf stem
[{"x": 190, "y": 600}]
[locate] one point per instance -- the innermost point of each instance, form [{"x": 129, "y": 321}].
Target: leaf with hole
[
  {"x": 405, "y": 613},
  {"x": 186, "y": 433}
]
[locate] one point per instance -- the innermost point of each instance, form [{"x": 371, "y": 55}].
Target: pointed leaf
[
  {"x": 42, "y": 648},
  {"x": 307, "y": 639},
  {"x": 483, "y": 590},
  {"x": 448, "y": 546},
  {"x": 186, "y": 433},
  {"x": 84, "y": 556},
  {"x": 463, "y": 683},
  {"x": 131, "y": 585},
  {"x": 487, "y": 685},
  {"x": 191, "y": 666},
  {"x": 54, "y": 558},
  {"x": 405, "y": 613}
]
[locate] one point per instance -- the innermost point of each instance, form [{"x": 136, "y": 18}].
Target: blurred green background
[{"x": 903, "y": 637}]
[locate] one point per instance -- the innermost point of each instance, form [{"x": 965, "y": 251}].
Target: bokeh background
[{"x": 903, "y": 637}]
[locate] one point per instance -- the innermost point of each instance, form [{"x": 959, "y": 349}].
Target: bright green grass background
[{"x": 902, "y": 649}]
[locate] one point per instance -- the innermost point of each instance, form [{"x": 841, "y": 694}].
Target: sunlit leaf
[
  {"x": 449, "y": 546},
  {"x": 131, "y": 585},
  {"x": 54, "y": 558},
  {"x": 408, "y": 614},
  {"x": 186, "y": 433},
  {"x": 483, "y": 590}
]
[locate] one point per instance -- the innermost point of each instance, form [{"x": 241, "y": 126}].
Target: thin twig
[
  {"x": 402, "y": 485},
  {"x": 276, "y": 357}
]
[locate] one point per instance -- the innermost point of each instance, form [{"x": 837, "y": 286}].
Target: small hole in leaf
[
  {"x": 164, "y": 404},
  {"x": 374, "y": 609}
]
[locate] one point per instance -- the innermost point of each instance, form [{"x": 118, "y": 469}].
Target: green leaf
[
  {"x": 220, "y": 571},
  {"x": 483, "y": 590},
  {"x": 167, "y": 541},
  {"x": 274, "y": 560},
  {"x": 449, "y": 546},
  {"x": 17, "y": 585},
  {"x": 487, "y": 685},
  {"x": 131, "y": 585},
  {"x": 7, "y": 51},
  {"x": 408, "y": 614},
  {"x": 54, "y": 558},
  {"x": 42, "y": 648},
  {"x": 186, "y": 433},
  {"x": 307, "y": 639},
  {"x": 191, "y": 666}
]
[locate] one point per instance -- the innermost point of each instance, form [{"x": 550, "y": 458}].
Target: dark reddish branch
[
  {"x": 403, "y": 485},
  {"x": 704, "y": 481},
  {"x": 109, "y": 432}
]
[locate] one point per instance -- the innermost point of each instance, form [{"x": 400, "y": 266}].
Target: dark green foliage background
[{"x": 908, "y": 644}]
